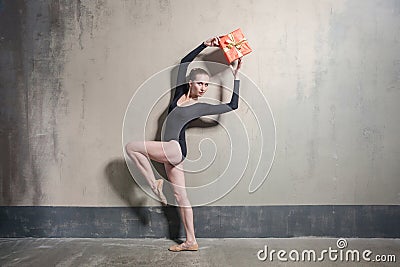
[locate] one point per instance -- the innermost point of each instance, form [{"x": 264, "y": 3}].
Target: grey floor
[{"x": 212, "y": 252}]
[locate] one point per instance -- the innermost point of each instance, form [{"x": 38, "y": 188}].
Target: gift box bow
[{"x": 231, "y": 42}]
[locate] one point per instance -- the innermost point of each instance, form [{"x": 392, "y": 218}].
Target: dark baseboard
[{"x": 367, "y": 221}]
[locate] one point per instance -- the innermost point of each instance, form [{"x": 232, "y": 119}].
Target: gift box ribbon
[{"x": 232, "y": 43}]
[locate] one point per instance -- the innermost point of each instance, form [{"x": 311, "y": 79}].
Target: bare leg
[
  {"x": 177, "y": 178},
  {"x": 170, "y": 154},
  {"x": 164, "y": 152}
]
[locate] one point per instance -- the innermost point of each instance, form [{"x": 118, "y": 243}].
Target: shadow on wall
[
  {"x": 216, "y": 57},
  {"x": 122, "y": 183}
]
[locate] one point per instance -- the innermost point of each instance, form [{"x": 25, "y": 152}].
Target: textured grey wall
[{"x": 330, "y": 70}]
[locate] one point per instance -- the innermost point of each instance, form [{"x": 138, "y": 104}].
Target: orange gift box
[{"x": 234, "y": 45}]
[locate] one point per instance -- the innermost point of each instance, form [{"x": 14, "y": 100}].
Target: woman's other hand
[{"x": 213, "y": 41}]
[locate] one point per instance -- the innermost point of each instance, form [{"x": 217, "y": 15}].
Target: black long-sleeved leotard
[{"x": 180, "y": 116}]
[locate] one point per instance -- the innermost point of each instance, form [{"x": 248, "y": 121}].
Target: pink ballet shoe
[{"x": 184, "y": 247}]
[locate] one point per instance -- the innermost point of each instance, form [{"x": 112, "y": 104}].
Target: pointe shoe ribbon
[{"x": 159, "y": 191}]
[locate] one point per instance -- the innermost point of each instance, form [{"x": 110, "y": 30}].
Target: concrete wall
[{"x": 329, "y": 69}]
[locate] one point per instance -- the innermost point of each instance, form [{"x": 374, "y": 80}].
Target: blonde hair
[{"x": 195, "y": 71}]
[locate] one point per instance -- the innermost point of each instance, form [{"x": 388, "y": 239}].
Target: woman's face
[{"x": 199, "y": 86}]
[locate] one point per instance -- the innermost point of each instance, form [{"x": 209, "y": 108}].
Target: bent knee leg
[{"x": 134, "y": 146}]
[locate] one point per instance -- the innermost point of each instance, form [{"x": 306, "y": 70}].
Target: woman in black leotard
[{"x": 172, "y": 149}]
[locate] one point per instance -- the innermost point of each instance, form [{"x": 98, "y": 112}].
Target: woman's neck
[{"x": 190, "y": 97}]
